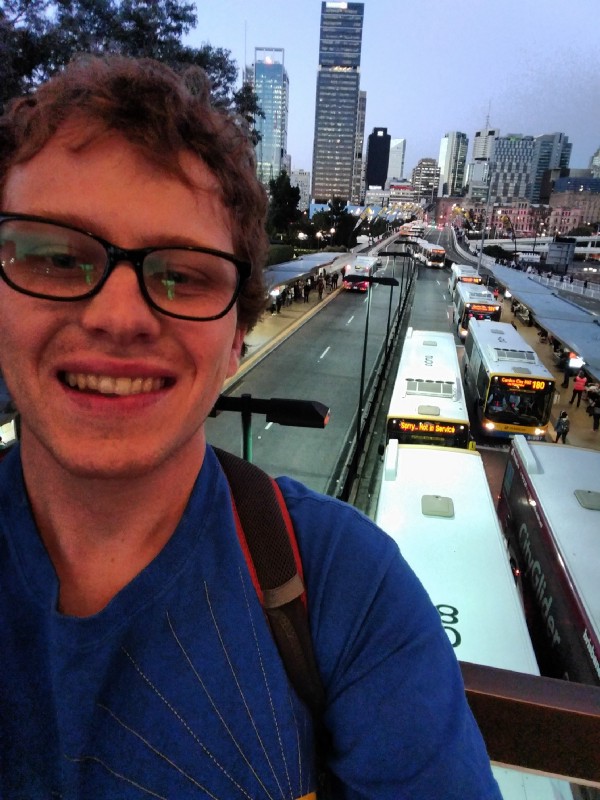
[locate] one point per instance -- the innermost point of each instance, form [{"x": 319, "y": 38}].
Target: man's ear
[{"x": 238, "y": 348}]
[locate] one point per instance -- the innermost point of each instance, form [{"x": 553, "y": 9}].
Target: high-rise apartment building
[
  {"x": 337, "y": 99},
  {"x": 272, "y": 88},
  {"x": 396, "y": 162},
  {"x": 378, "y": 156},
  {"x": 511, "y": 169},
  {"x": 452, "y": 161},
  {"x": 425, "y": 179},
  {"x": 519, "y": 164}
]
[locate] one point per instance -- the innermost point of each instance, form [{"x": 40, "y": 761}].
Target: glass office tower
[
  {"x": 338, "y": 86},
  {"x": 272, "y": 88}
]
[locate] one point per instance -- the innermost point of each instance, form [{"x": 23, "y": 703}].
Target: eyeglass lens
[{"x": 61, "y": 263}]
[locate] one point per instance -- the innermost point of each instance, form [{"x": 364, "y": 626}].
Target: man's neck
[{"x": 100, "y": 532}]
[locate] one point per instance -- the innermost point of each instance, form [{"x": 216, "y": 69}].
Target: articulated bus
[
  {"x": 512, "y": 390},
  {"x": 462, "y": 273},
  {"x": 436, "y": 504},
  {"x": 473, "y": 302},
  {"x": 550, "y": 511},
  {"x": 428, "y": 404},
  {"x": 431, "y": 254},
  {"x": 362, "y": 267}
]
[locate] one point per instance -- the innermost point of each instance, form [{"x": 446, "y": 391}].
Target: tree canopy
[
  {"x": 38, "y": 37},
  {"x": 283, "y": 205}
]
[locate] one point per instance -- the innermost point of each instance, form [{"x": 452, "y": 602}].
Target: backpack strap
[{"x": 267, "y": 538}]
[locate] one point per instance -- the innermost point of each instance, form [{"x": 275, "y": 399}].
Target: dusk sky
[{"x": 434, "y": 66}]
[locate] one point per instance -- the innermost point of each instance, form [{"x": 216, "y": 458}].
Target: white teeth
[{"x": 106, "y": 384}]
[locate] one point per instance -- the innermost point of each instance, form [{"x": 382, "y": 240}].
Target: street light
[
  {"x": 319, "y": 236},
  {"x": 296, "y": 413},
  {"x": 370, "y": 279}
]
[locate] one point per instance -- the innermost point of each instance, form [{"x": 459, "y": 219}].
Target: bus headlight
[
  {"x": 539, "y": 432},
  {"x": 489, "y": 426}
]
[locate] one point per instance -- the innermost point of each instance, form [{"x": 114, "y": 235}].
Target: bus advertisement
[
  {"x": 512, "y": 390},
  {"x": 428, "y": 404},
  {"x": 356, "y": 274},
  {"x": 473, "y": 302},
  {"x": 549, "y": 509},
  {"x": 435, "y": 502}
]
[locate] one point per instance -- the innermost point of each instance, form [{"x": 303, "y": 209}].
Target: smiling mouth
[{"x": 107, "y": 384}]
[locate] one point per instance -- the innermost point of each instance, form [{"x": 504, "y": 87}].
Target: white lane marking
[
  {"x": 324, "y": 353},
  {"x": 268, "y": 425},
  {"x": 350, "y": 320}
]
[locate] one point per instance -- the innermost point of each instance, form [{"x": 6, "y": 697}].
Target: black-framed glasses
[{"x": 45, "y": 259}]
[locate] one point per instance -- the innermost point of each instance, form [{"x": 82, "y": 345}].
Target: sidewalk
[{"x": 580, "y": 432}]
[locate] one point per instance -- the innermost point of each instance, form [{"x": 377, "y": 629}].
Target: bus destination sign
[
  {"x": 482, "y": 308},
  {"x": 427, "y": 426},
  {"x": 522, "y": 384}
]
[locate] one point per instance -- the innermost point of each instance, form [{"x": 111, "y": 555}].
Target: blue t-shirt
[{"x": 175, "y": 689}]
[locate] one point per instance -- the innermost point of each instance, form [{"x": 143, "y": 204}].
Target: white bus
[
  {"x": 428, "y": 404},
  {"x": 432, "y": 255},
  {"x": 462, "y": 273},
  {"x": 436, "y": 504},
  {"x": 512, "y": 391},
  {"x": 550, "y": 512},
  {"x": 473, "y": 302}
]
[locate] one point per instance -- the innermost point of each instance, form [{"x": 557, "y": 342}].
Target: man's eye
[{"x": 63, "y": 261}]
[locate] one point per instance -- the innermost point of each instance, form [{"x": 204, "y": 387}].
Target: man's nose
[{"x": 120, "y": 309}]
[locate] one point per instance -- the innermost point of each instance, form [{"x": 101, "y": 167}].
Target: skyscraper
[
  {"x": 358, "y": 170},
  {"x": 396, "y": 162},
  {"x": 378, "y": 156},
  {"x": 483, "y": 144},
  {"x": 425, "y": 179},
  {"x": 338, "y": 81},
  {"x": 551, "y": 151},
  {"x": 520, "y": 162},
  {"x": 452, "y": 160},
  {"x": 272, "y": 88}
]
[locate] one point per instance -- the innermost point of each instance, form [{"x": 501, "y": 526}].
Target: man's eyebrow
[{"x": 98, "y": 229}]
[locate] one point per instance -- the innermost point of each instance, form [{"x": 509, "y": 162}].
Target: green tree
[
  {"x": 38, "y": 37},
  {"x": 283, "y": 206}
]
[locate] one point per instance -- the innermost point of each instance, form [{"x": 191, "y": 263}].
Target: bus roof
[
  {"x": 505, "y": 351},
  {"x": 475, "y": 293},
  {"x": 565, "y": 480},
  {"x": 428, "y": 381},
  {"x": 436, "y": 504}
]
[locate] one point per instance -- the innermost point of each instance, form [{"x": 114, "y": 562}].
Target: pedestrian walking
[
  {"x": 334, "y": 280},
  {"x": 579, "y": 385},
  {"x": 306, "y": 291},
  {"x": 320, "y": 287},
  {"x": 562, "y": 427}
]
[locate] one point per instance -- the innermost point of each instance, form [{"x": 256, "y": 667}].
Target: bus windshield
[{"x": 520, "y": 402}]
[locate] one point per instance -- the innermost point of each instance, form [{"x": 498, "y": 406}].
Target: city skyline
[{"x": 428, "y": 70}]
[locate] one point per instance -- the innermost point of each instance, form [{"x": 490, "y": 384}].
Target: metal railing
[{"x": 537, "y": 724}]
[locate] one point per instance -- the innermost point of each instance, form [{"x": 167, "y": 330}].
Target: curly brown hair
[{"x": 162, "y": 114}]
